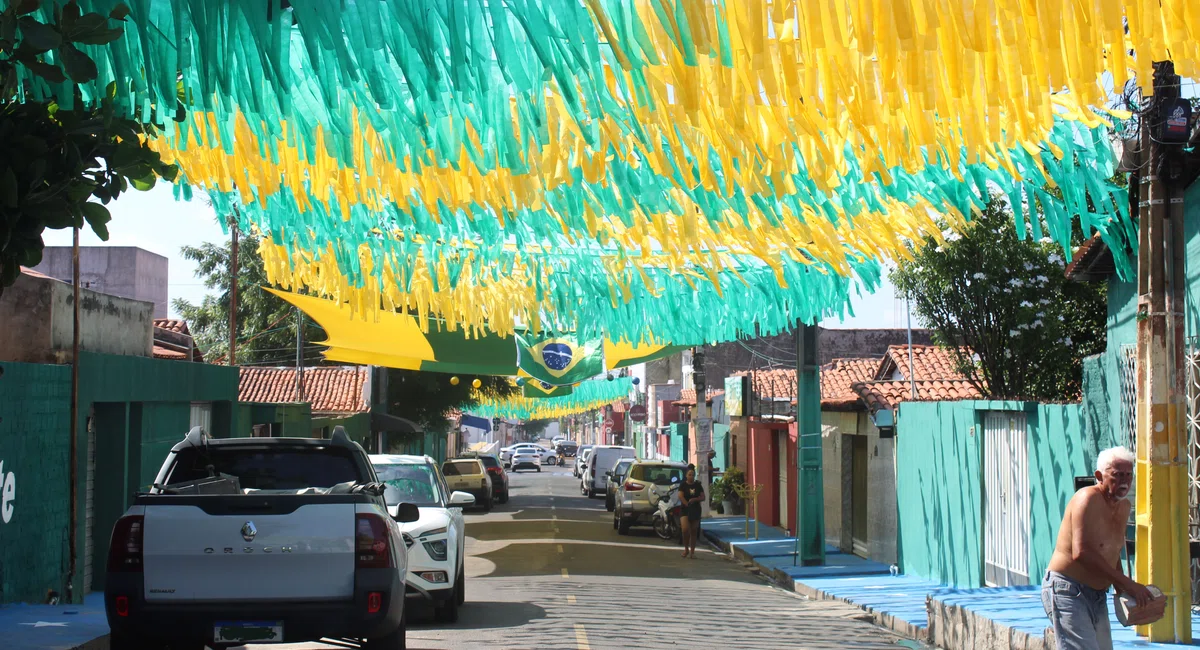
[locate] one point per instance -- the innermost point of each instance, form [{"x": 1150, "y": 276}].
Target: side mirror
[
  {"x": 608, "y": 474},
  {"x": 406, "y": 513},
  {"x": 461, "y": 499}
]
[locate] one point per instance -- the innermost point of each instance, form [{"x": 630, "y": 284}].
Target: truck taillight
[
  {"x": 125, "y": 547},
  {"x": 372, "y": 549}
]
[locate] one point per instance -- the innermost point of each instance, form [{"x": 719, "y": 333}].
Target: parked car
[
  {"x": 543, "y": 453},
  {"x": 470, "y": 476},
  {"x": 594, "y": 481},
  {"x": 526, "y": 459},
  {"x": 637, "y": 499},
  {"x": 492, "y": 463},
  {"x": 435, "y": 541},
  {"x": 581, "y": 457},
  {"x": 236, "y": 532},
  {"x": 616, "y": 478}
]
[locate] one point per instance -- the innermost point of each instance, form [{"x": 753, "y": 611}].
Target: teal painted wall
[
  {"x": 1060, "y": 448},
  {"x": 142, "y": 406},
  {"x": 939, "y": 483},
  {"x": 721, "y": 445},
  {"x": 34, "y": 425},
  {"x": 938, "y": 492},
  {"x": 679, "y": 437},
  {"x": 1191, "y": 230}
]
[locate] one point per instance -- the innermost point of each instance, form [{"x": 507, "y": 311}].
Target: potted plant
[{"x": 725, "y": 490}]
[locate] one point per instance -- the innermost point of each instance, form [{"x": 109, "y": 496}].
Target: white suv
[{"x": 435, "y": 541}]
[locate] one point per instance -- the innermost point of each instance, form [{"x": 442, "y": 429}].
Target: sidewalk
[
  {"x": 950, "y": 618},
  {"x": 55, "y": 627}
]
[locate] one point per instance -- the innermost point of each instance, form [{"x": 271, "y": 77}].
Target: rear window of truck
[
  {"x": 657, "y": 474},
  {"x": 267, "y": 469},
  {"x": 461, "y": 468}
]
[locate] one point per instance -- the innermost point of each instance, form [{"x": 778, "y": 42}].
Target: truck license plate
[{"x": 248, "y": 632}]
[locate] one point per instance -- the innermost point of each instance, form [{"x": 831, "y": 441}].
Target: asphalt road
[{"x": 547, "y": 570}]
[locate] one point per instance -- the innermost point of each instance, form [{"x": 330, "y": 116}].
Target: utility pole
[
  {"x": 912, "y": 368},
  {"x": 73, "y": 429},
  {"x": 1162, "y": 549},
  {"x": 299, "y": 355},
  {"x": 233, "y": 287},
  {"x": 810, "y": 491}
]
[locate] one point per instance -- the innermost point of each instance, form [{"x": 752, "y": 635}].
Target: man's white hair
[{"x": 1114, "y": 455}]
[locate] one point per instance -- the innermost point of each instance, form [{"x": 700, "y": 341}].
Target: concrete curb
[
  {"x": 784, "y": 581},
  {"x": 98, "y": 643},
  {"x": 950, "y": 626}
]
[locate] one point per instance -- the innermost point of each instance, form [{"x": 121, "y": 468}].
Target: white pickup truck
[{"x": 259, "y": 540}]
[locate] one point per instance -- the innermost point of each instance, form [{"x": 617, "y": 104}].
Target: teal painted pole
[{"x": 810, "y": 504}]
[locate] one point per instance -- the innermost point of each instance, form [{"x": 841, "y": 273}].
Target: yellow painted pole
[{"x": 1161, "y": 474}]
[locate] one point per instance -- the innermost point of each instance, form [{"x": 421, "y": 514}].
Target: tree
[
  {"x": 266, "y": 324},
  {"x": 426, "y": 397},
  {"x": 1007, "y": 302},
  {"x": 56, "y": 163},
  {"x": 535, "y": 428}
]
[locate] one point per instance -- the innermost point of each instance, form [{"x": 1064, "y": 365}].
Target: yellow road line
[
  {"x": 571, "y": 599},
  {"x": 565, "y": 574},
  {"x": 560, "y": 548},
  {"x": 581, "y": 639}
]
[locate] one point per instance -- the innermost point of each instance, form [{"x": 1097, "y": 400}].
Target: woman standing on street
[{"x": 691, "y": 493}]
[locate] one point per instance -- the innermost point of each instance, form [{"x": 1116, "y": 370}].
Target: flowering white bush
[{"x": 1005, "y": 307}]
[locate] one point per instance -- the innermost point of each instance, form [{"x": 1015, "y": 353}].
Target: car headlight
[{"x": 436, "y": 549}]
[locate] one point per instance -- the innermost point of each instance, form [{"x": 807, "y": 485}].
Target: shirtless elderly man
[{"x": 1087, "y": 557}]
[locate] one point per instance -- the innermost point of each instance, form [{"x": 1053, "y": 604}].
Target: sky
[{"x": 156, "y": 222}]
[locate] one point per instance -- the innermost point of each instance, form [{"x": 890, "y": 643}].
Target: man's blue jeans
[{"x": 1078, "y": 613}]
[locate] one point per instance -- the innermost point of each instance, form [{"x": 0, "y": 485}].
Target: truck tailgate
[
  {"x": 465, "y": 483},
  {"x": 272, "y": 550}
]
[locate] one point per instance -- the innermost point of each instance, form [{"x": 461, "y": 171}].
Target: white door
[
  {"x": 1006, "y": 499},
  {"x": 781, "y": 442},
  {"x": 201, "y": 416}
]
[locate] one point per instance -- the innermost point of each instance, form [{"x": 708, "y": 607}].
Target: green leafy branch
[{"x": 59, "y": 168}]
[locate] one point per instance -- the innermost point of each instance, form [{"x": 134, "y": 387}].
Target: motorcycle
[{"x": 666, "y": 516}]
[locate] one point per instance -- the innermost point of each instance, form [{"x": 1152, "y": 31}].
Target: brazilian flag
[
  {"x": 534, "y": 388},
  {"x": 559, "y": 360}
]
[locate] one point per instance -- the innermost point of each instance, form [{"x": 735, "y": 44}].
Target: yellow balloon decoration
[{"x": 454, "y": 381}]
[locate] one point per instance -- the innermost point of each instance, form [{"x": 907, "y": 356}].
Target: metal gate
[
  {"x": 1192, "y": 361},
  {"x": 781, "y": 440},
  {"x": 1006, "y": 499}
]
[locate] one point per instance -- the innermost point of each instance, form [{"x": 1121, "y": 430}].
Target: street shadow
[{"x": 482, "y": 615}]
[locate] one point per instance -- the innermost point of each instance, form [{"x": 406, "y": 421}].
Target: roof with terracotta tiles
[
  {"x": 838, "y": 378},
  {"x": 779, "y": 383},
  {"x": 165, "y": 353},
  {"x": 687, "y": 396},
  {"x": 330, "y": 389},
  {"x": 931, "y": 362},
  {"x": 1091, "y": 261},
  {"x": 887, "y": 394},
  {"x": 172, "y": 324}
]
